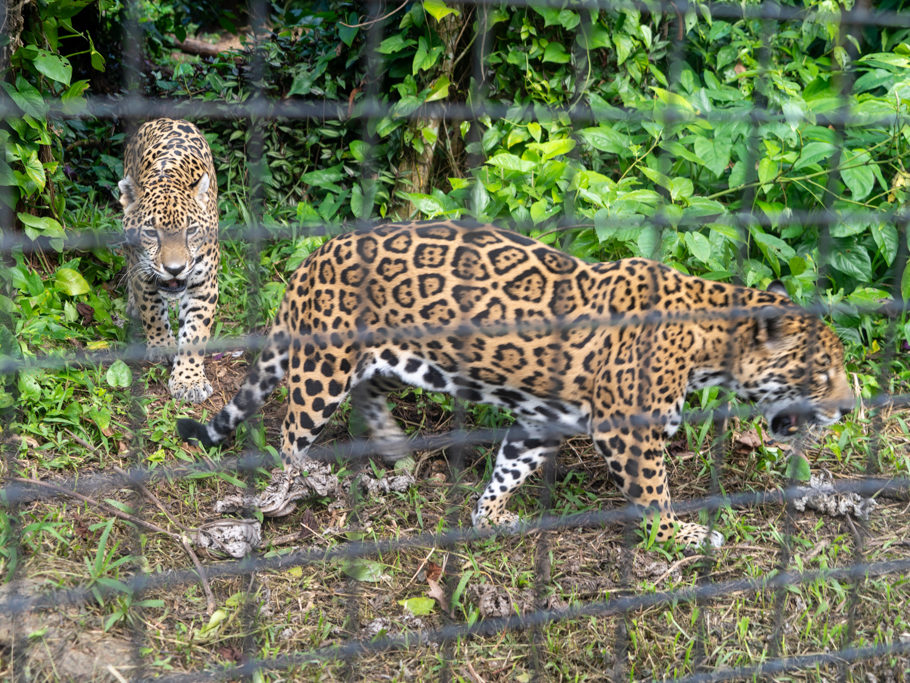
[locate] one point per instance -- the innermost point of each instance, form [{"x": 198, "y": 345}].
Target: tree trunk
[
  {"x": 11, "y": 23},
  {"x": 416, "y": 172}
]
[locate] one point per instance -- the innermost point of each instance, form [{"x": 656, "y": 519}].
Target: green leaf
[
  {"x": 357, "y": 201},
  {"x": 72, "y": 100},
  {"x": 776, "y": 244},
  {"x": 853, "y": 261},
  {"x": 767, "y": 170},
  {"x": 553, "y": 148},
  {"x": 672, "y": 99},
  {"x": 905, "y": 284},
  {"x": 605, "y": 138},
  {"x": 647, "y": 242},
  {"x": 97, "y": 60},
  {"x": 624, "y": 46},
  {"x": 102, "y": 418},
  {"x": 419, "y": 607},
  {"x": 885, "y": 235},
  {"x": 29, "y": 388},
  {"x": 798, "y": 468},
  {"x": 702, "y": 206},
  {"x": 869, "y": 298},
  {"x": 510, "y": 162},
  {"x": 699, "y": 246},
  {"x": 715, "y": 154},
  {"x": 438, "y": 9},
  {"x": 680, "y": 188},
  {"x": 425, "y": 56},
  {"x": 325, "y": 178},
  {"x": 425, "y": 203},
  {"x": 53, "y": 66},
  {"x": 41, "y": 226},
  {"x": 555, "y": 54},
  {"x": 655, "y": 176},
  {"x": 857, "y": 173},
  {"x": 71, "y": 282},
  {"x": 358, "y": 150},
  {"x": 361, "y": 569},
  {"x": 593, "y": 37},
  {"x": 394, "y": 44},
  {"x": 539, "y": 211},
  {"x": 119, "y": 375},
  {"x": 349, "y": 32},
  {"x": 553, "y": 16},
  {"x": 678, "y": 149},
  {"x": 440, "y": 89},
  {"x": 34, "y": 171},
  {"x": 813, "y": 153},
  {"x": 26, "y": 97}
]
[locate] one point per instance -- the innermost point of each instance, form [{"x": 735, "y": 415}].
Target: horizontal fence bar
[{"x": 139, "y": 107}]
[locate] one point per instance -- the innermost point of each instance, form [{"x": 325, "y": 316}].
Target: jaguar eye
[
  {"x": 192, "y": 230},
  {"x": 150, "y": 234}
]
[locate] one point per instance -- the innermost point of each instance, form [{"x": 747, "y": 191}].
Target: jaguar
[
  {"x": 169, "y": 197},
  {"x": 491, "y": 316}
]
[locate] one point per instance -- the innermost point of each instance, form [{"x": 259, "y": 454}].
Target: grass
[{"x": 74, "y": 423}]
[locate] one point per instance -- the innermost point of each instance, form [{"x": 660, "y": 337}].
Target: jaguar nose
[{"x": 174, "y": 268}]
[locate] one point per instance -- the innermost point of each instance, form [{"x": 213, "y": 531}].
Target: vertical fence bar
[
  {"x": 10, "y": 512},
  {"x": 11, "y": 442},
  {"x": 255, "y": 232},
  {"x": 132, "y": 80}
]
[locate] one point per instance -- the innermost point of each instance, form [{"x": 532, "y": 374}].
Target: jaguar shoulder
[{"x": 491, "y": 316}]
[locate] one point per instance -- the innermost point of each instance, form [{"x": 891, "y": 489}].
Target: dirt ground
[{"x": 559, "y": 593}]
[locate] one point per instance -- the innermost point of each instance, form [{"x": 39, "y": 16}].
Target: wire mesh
[{"x": 625, "y": 603}]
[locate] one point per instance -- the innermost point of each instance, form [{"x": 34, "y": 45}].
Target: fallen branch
[{"x": 199, "y": 47}]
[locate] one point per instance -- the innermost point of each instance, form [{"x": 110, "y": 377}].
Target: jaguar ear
[
  {"x": 202, "y": 188},
  {"x": 129, "y": 193},
  {"x": 777, "y": 287}
]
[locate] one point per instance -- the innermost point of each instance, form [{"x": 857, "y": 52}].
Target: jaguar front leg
[
  {"x": 523, "y": 451},
  {"x": 636, "y": 463},
  {"x": 147, "y": 304},
  {"x": 197, "y": 311}
]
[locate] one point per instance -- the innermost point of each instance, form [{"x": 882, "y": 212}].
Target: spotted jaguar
[
  {"x": 170, "y": 219},
  {"x": 491, "y": 316}
]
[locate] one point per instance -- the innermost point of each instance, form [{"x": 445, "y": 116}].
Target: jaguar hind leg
[
  {"x": 368, "y": 397},
  {"x": 523, "y": 451},
  {"x": 637, "y": 467}
]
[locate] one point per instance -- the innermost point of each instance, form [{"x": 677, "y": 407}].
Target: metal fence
[{"x": 19, "y": 602}]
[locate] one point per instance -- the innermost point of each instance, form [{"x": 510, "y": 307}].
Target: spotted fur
[
  {"x": 485, "y": 314},
  {"x": 170, "y": 217}
]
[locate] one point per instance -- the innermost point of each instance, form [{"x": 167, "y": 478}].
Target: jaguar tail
[{"x": 261, "y": 380}]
